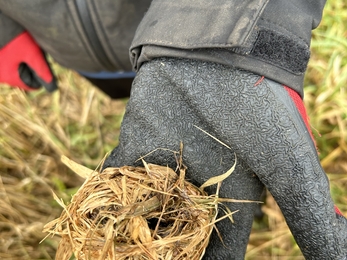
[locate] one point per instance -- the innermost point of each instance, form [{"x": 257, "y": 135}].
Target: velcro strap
[{"x": 282, "y": 51}]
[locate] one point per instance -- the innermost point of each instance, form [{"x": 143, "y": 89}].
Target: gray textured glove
[{"x": 263, "y": 127}]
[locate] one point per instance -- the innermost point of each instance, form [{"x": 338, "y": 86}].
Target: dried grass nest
[{"x": 148, "y": 212}]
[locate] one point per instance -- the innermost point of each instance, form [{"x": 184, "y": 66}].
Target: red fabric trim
[
  {"x": 301, "y": 108},
  {"x": 337, "y": 211}
]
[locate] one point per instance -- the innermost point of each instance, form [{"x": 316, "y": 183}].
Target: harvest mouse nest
[{"x": 148, "y": 212}]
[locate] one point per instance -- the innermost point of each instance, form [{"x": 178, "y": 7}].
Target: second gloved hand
[
  {"x": 23, "y": 65},
  {"x": 263, "y": 126}
]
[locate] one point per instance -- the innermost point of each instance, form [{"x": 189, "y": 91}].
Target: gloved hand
[
  {"x": 23, "y": 64},
  {"x": 261, "y": 123}
]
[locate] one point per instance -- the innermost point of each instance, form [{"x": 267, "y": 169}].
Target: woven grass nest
[{"x": 148, "y": 212}]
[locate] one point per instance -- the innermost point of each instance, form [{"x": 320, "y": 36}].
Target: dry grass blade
[
  {"x": 219, "y": 178},
  {"x": 81, "y": 170}
]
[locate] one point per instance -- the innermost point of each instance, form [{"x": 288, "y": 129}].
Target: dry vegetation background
[{"x": 82, "y": 123}]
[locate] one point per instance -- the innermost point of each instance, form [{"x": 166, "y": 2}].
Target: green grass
[
  {"x": 82, "y": 123},
  {"x": 326, "y": 90}
]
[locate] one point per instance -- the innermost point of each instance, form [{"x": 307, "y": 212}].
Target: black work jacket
[
  {"x": 84, "y": 35},
  {"x": 270, "y": 38}
]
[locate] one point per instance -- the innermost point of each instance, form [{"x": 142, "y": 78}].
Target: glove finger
[{"x": 299, "y": 104}]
